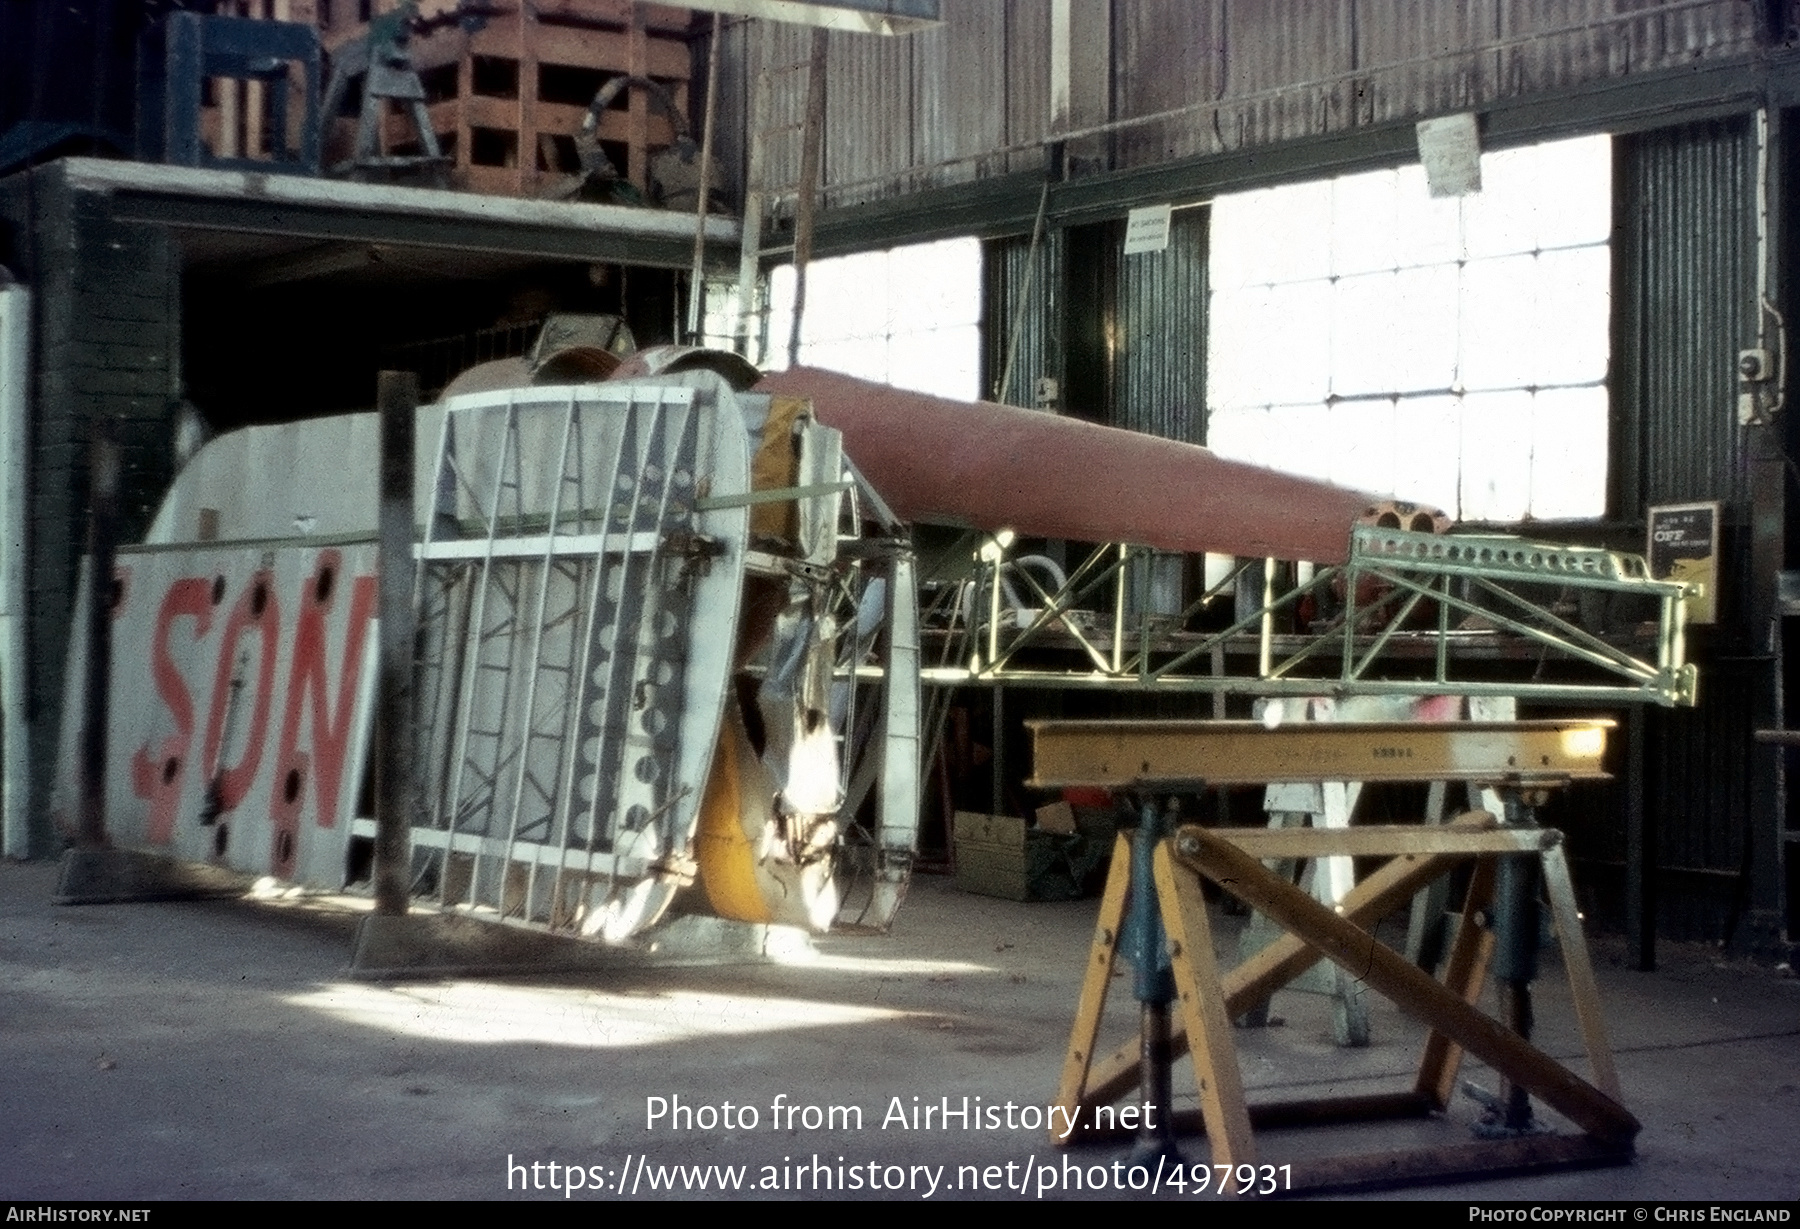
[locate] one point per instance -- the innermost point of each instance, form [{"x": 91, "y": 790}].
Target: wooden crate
[
  {"x": 990, "y": 855},
  {"x": 998, "y": 855},
  {"x": 487, "y": 88}
]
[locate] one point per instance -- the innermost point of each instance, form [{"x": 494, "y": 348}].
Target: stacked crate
[{"x": 506, "y": 100}]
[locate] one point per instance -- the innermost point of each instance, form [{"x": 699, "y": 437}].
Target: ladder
[{"x": 762, "y": 198}]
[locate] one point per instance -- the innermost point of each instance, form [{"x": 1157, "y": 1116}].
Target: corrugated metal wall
[
  {"x": 922, "y": 110},
  {"x": 1152, "y": 343},
  {"x": 1697, "y": 766},
  {"x": 1258, "y": 73},
  {"x": 1011, "y": 273},
  {"x": 903, "y": 113},
  {"x": 1684, "y": 252},
  {"x": 1684, "y": 256},
  {"x": 1159, "y": 351}
]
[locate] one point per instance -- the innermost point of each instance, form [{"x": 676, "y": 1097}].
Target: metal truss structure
[{"x": 1407, "y": 614}]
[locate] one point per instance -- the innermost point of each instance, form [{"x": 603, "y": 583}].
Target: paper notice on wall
[
  {"x": 1147, "y": 229},
  {"x": 1450, "y": 149}
]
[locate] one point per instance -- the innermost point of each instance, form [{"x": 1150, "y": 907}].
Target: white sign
[
  {"x": 1147, "y": 229},
  {"x": 1450, "y": 149}
]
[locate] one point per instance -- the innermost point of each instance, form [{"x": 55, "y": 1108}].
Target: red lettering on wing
[
  {"x": 257, "y": 609},
  {"x": 159, "y": 777},
  {"x": 330, "y": 725}
]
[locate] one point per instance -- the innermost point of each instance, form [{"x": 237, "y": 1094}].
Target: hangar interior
[{"x": 1591, "y": 325}]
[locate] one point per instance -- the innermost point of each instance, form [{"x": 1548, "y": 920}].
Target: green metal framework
[{"x": 1408, "y": 614}]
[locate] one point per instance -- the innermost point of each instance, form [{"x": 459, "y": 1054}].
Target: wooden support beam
[
  {"x": 1387, "y": 840},
  {"x": 1412, "y": 990},
  {"x": 1496, "y": 1158},
  {"x": 1582, "y": 987},
  {"x": 1098, "y": 978},
  {"x": 1196, "y": 968},
  {"x": 638, "y": 51},
  {"x": 1287, "y": 958},
  {"x": 1464, "y": 974},
  {"x": 525, "y": 120}
]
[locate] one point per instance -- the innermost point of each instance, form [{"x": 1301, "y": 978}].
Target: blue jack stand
[{"x": 1146, "y": 945}]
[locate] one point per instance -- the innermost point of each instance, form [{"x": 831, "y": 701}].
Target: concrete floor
[{"x": 219, "y": 1050}]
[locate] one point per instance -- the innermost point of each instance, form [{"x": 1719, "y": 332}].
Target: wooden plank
[
  {"x": 1581, "y": 972},
  {"x": 491, "y": 180},
  {"x": 1464, "y": 975},
  {"x": 1088, "y": 1009},
  {"x": 1197, "y": 983},
  {"x": 1281, "y": 961},
  {"x": 1483, "y": 1159},
  {"x": 397, "y": 129},
  {"x": 1282, "y": 1115},
  {"x": 479, "y": 111},
  {"x": 1408, "y": 987},
  {"x": 439, "y": 48},
  {"x": 605, "y": 50},
  {"x": 464, "y": 141},
  {"x": 656, "y": 16},
  {"x": 525, "y": 122},
  {"x": 1386, "y": 840},
  {"x": 637, "y": 138},
  {"x": 614, "y": 125}
]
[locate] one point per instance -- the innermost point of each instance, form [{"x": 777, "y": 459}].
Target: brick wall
[{"x": 107, "y": 350}]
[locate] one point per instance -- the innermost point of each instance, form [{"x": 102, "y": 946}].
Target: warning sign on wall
[{"x": 1684, "y": 545}]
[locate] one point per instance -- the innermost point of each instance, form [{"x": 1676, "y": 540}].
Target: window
[
  {"x": 1448, "y": 351},
  {"x": 910, "y": 317}
]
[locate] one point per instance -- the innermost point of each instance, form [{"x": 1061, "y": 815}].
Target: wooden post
[
  {"x": 1202, "y": 998},
  {"x": 638, "y": 105},
  {"x": 527, "y": 153},
  {"x": 1465, "y": 973},
  {"x": 397, "y": 398},
  {"x": 1094, "y": 985}
]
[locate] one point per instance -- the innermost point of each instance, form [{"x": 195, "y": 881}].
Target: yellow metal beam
[{"x": 1170, "y": 754}]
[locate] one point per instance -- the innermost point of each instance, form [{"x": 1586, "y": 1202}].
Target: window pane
[
  {"x": 1452, "y": 352},
  {"x": 1426, "y": 430},
  {"x": 1499, "y": 322},
  {"x": 1427, "y": 309},
  {"x": 1362, "y": 445},
  {"x": 1574, "y": 315},
  {"x": 1496, "y": 456},
  {"x": 1363, "y": 334},
  {"x": 909, "y": 316},
  {"x": 1364, "y": 214},
  {"x": 1568, "y": 432}
]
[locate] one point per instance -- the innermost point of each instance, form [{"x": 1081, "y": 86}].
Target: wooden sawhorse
[{"x": 1519, "y": 756}]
